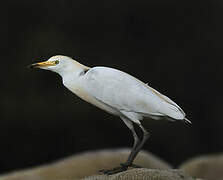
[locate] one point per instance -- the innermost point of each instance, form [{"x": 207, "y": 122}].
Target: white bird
[{"x": 117, "y": 93}]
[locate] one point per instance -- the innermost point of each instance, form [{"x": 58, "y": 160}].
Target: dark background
[{"x": 175, "y": 46}]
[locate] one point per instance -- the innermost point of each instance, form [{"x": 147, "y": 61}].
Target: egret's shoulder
[{"x": 102, "y": 70}]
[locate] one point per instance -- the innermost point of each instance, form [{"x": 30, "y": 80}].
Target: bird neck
[
  {"x": 72, "y": 69},
  {"x": 71, "y": 75},
  {"x": 70, "y": 72}
]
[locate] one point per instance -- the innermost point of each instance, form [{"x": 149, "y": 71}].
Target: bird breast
[{"x": 80, "y": 91}]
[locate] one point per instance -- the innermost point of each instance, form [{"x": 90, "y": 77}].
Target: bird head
[{"x": 59, "y": 64}]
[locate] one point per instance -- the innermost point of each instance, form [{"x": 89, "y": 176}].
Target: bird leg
[
  {"x": 129, "y": 124},
  {"x": 136, "y": 139},
  {"x": 135, "y": 150},
  {"x": 125, "y": 166}
]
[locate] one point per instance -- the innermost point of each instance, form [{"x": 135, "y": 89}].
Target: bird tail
[{"x": 187, "y": 121}]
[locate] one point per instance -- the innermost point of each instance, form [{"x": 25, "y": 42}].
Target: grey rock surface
[
  {"x": 85, "y": 164},
  {"x": 144, "y": 174},
  {"x": 209, "y": 167}
]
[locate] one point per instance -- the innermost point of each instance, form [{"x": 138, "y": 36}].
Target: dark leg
[
  {"x": 129, "y": 124},
  {"x": 138, "y": 148},
  {"x": 135, "y": 150},
  {"x": 123, "y": 167}
]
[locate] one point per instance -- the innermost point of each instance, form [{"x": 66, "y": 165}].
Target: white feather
[
  {"x": 124, "y": 93},
  {"x": 114, "y": 91}
]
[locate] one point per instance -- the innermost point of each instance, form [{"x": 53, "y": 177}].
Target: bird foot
[
  {"x": 121, "y": 168},
  {"x": 114, "y": 170},
  {"x": 131, "y": 165}
]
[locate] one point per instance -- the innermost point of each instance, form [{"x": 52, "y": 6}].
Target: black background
[{"x": 175, "y": 46}]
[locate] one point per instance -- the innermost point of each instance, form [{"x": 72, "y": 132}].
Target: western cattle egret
[{"x": 117, "y": 93}]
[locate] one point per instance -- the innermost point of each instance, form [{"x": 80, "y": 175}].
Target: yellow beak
[{"x": 42, "y": 64}]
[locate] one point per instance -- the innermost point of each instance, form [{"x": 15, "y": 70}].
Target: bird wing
[{"x": 128, "y": 95}]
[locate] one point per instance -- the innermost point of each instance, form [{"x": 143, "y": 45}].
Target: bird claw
[
  {"x": 121, "y": 168},
  {"x": 131, "y": 165},
  {"x": 114, "y": 170}
]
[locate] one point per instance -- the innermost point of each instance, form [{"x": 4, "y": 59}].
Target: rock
[
  {"x": 85, "y": 164},
  {"x": 209, "y": 167},
  {"x": 144, "y": 174}
]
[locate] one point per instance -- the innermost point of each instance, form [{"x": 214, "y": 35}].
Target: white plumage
[
  {"x": 115, "y": 92},
  {"x": 128, "y": 95}
]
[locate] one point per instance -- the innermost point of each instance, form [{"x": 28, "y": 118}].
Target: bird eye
[{"x": 56, "y": 62}]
